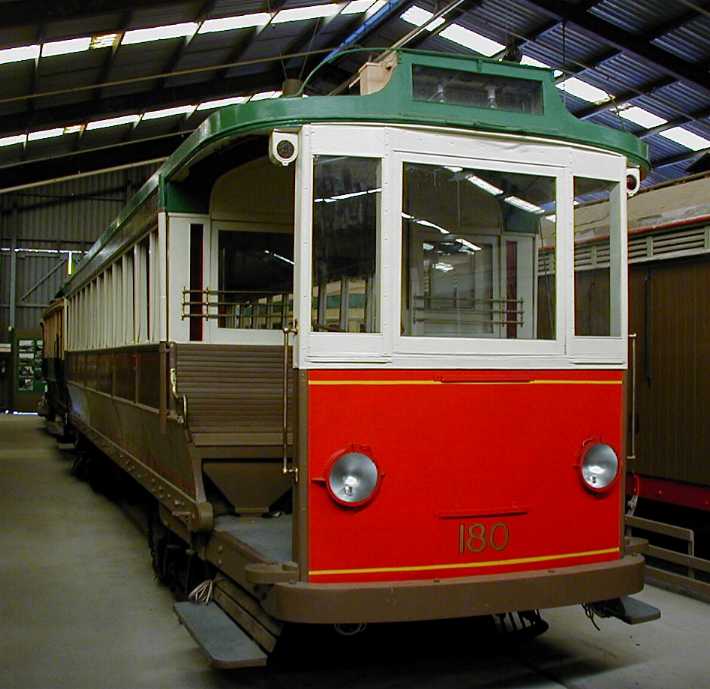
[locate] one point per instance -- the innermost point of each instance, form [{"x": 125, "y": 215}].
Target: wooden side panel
[
  {"x": 232, "y": 388},
  {"x": 670, "y": 311}
]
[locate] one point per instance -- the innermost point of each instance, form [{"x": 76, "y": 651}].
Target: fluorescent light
[
  {"x": 471, "y": 39},
  {"x": 443, "y": 267},
  {"x": 113, "y": 122},
  {"x": 45, "y": 134},
  {"x": 298, "y": 14},
  {"x": 103, "y": 40},
  {"x": 169, "y": 112},
  {"x": 242, "y": 21},
  {"x": 73, "y": 129},
  {"x": 159, "y": 33},
  {"x": 641, "y": 117},
  {"x": 358, "y": 6},
  {"x": 686, "y": 138},
  {"x": 74, "y": 45},
  {"x": 467, "y": 244},
  {"x": 418, "y": 16},
  {"x": 581, "y": 89},
  {"x": 25, "y": 52},
  {"x": 12, "y": 140},
  {"x": 211, "y": 104},
  {"x": 523, "y": 204},
  {"x": 486, "y": 186},
  {"x": 264, "y": 95}
]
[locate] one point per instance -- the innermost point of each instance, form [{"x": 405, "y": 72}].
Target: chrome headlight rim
[
  {"x": 596, "y": 446},
  {"x": 339, "y": 457}
]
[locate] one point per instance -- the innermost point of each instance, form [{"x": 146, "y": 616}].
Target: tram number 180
[{"x": 476, "y": 537}]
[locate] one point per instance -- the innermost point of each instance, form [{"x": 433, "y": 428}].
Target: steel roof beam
[
  {"x": 63, "y": 115},
  {"x": 676, "y": 122},
  {"x": 624, "y": 41},
  {"x": 675, "y": 159}
]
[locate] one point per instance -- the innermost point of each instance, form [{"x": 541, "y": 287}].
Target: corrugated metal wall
[{"x": 46, "y": 223}]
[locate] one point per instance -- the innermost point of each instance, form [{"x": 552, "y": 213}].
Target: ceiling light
[
  {"x": 471, "y": 39},
  {"x": 443, "y": 267},
  {"x": 211, "y": 104},
  {"x": 686, "y": 138},
  {"x": 418, "y": 16},
  {"x": 581, "y": 89},
  {"x": 242, "y": 21},
  {"x": 298, "y": 14},
  {"x": 113, "y": 122},
  {"x": 641, "y": 117},
  {"x": 45, "y": 134},
  {"x": 264, "y": 95},
  {"x": 25, "y": 52},
  {"x": 523, "y": 204},
  {"x": 103, "y": 41},
  {"x": 12, "y": 140},
  {"x": 169, "y": 112},
  {"x": 159, "y": 33},
  {"x": 467, "y": 244},
  {"x": 486, "y": 186},
  {"x": 74, "y": 45},
  {"x": 358, "y": 6}
]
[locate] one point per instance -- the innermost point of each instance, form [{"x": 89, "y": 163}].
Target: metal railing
[
  {"x": 485, "y": 311},
  {"x": 249, "y": 309}
]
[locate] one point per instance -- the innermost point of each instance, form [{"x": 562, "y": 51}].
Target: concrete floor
[{"x": 79, "y": 608}]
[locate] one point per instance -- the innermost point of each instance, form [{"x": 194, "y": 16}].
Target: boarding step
[
  {"x": 226, "y": 645},
  {"x": 627, "y": 609}
]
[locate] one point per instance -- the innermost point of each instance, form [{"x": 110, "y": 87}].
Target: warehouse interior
[{"x": 96, "y": 95}]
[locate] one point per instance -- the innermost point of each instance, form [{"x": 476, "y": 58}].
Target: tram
[{"x": 342, "y": 344}]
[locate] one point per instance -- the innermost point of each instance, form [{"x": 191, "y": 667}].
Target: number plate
[{"x": 477, "y": 537}]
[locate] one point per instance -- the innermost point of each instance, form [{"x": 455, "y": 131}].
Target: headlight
[
  {"x": 352, "y": 479},
  {"x": 599, "y": 466}
]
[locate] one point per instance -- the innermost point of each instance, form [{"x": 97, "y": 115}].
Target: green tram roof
[{"x": 394, "y": 104}]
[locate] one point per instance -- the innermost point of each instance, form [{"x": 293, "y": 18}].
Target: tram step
[
  {"x": 628, "y": 609},
  {"x": 222, "y": 640}
]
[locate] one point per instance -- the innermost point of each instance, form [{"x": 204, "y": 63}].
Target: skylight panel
[
  {"x": 581, "y": 89},
  {"x": 686, "y": 138},
  {"x": 358, "y": 6},
  {"x": 74, "y": 128},
  {"x": 222, "y": 102},
  {"x": 45, "y": 134},
  {"x": 105, "y": 40},
  {"x": 159, "y": 33},
  {"x": 418, "y": 16},
  {"x": 113, "y": 122},
  {"x": 243, "y": 21},
  {"x": 169, "y": 112},
  {"x": 375, "y": 8},
  {"x": 642, "y": 117},
  {"x": 299, "y": 14},
  {"x": 25, "y": 52},
  {"x": 265, "y": 95},
  {"x": 486, "y": 186},
  {"x": 12, "y": 140},
  {"x": 73, "y": 45},
  {"x": 472, "y": 40},
  {"x": 523, "y": 204},
  {"x": 527, "y": 60}
]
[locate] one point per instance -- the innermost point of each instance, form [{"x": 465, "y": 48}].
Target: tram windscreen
[
  {"x": 478, "y": 253},
  {"x": 346, "y": 201},
  {"x": 475, "y": 90}
]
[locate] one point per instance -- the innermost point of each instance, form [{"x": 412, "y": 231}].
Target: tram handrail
[
  {"x": 632, "y": 456},
  {"x": 287, "y": 468}
]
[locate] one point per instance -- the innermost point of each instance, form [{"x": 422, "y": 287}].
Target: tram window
[
  {"x": 476, "y": 90},
  {"x": 597, "y": 296},
  {"x": 255, "y": 279},
  {"x": 478, "y": 253},
  {"x": 345, "y": 235}
]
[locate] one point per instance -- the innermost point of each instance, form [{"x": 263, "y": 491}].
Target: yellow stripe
[
  {"x": 465, "y": 382},
  {"x": 464, "y": 565}
]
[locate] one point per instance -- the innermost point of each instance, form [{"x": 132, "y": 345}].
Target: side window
[
  {"x": 346, "y": 200},
  {"x": 597, "y": 297},
  {"x": 478, "y": 253}
]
